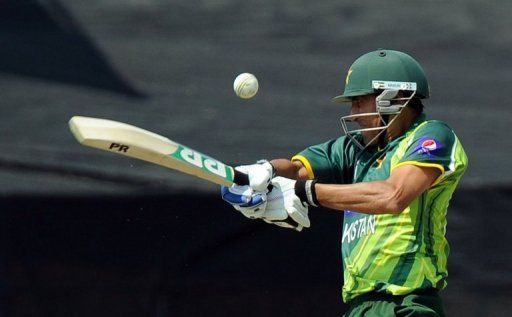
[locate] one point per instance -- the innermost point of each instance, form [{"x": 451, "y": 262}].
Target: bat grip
[{"x": 241, "y": 178}]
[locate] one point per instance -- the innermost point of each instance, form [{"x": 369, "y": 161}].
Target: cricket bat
[{"x": 129, "y": 140}]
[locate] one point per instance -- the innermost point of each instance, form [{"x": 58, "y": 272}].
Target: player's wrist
[{"x": 306, "y": 191}]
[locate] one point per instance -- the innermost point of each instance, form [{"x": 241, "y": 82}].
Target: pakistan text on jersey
[{"x": 359, "y": 228}]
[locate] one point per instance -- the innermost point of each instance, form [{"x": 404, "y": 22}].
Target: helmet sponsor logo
[{"x": 399, "y": 85}]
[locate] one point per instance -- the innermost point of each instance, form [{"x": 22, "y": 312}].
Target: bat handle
[{"x": 241, "y": 178}]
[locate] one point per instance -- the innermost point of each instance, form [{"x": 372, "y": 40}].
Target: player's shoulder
[
  {"x": 339, "y": 142},
  {"x": 437, "y": 124},
  {"x": 334, "y": 149},
  {"x": 433, "y": 132},
  {"x": 347, "y": 144},
  {"x": 434, "y": 127}
]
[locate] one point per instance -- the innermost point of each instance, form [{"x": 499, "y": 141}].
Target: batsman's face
[{"x": 366, "y": 104}]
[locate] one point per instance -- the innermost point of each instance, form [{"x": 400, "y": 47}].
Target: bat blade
[{"x": 129, "y": 140}]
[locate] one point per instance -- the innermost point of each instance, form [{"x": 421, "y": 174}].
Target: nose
[
  {"x": 354, "y": 109},
  {"x": 354, "y": 112}
]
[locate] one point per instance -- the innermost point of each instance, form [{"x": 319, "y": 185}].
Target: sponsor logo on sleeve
[{"x": 428, "y": 146}]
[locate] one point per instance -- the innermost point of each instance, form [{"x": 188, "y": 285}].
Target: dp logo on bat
[{"x": 197, "y": 159}]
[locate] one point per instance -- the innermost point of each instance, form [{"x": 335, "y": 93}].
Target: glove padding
[
  {"x": 283, "y": 207},
  {"x": 259, "y": 175},
  {"x": 244, "y": 199}
]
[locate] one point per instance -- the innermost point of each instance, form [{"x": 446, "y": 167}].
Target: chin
[
  {"x": 372, "y": 145},
  {"x": 368, "y": 139}
]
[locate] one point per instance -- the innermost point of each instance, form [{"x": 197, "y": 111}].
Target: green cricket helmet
[
  {"x": 384, "y": 69},
  {"x": 385, "y": 73}
]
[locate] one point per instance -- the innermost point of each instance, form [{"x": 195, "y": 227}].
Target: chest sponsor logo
[{"x": 358, "y": 228}]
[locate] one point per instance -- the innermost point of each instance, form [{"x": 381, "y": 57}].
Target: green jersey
[{"x": 393, "y": 253}]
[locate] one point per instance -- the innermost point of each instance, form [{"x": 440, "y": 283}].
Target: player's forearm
[
  {"x": 289, "y": 169},
  {"x": 379, "y": 197}
]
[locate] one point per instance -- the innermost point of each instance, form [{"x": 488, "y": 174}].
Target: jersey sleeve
[
  {"x": 328, "y": 162},
  {"x": 433, "y": 145}
]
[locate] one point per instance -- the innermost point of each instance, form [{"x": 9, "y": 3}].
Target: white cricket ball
[{"x": 246, "y": 85}]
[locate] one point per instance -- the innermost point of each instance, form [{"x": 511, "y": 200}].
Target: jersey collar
[{"x": 419, "y": 120}]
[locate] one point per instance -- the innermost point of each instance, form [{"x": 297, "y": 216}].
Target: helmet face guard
[
  {"x": 386, "y": 72},
  {"x": 386, "y": 103}
]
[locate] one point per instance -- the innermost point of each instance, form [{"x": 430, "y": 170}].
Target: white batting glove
[
  {"x": 284, "y": 208},
  {"x": 259, "y": 174}
]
